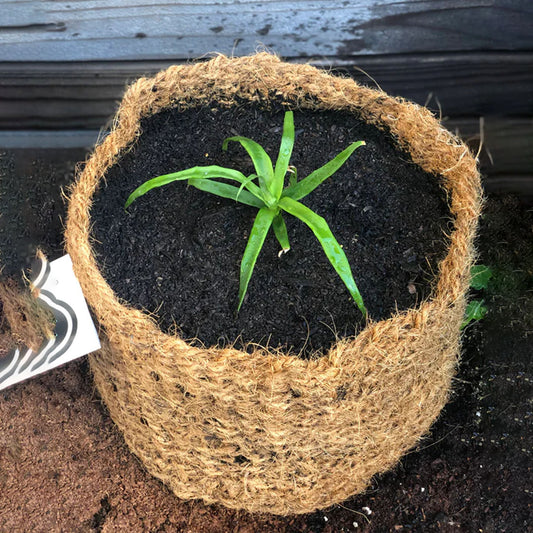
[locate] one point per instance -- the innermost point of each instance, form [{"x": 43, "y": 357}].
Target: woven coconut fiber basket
[{"x": 189, "y": 412}]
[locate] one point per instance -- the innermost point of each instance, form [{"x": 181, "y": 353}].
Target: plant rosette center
[{"x": 265, "y": 190}]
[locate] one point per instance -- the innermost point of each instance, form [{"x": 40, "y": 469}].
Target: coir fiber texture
[
  {"x": 24, "y": 323},
  {"x": 266, "y": 431}
]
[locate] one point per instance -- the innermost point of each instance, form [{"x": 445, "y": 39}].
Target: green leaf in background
[
  {"x": 475, "y": 310},
  {"x": 480, "y": 276}
]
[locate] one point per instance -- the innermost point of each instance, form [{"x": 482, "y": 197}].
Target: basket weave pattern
[{"x": 267, "y": 431}]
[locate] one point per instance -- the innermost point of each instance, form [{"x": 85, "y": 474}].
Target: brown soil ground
[{"x": 65, "y": 468}]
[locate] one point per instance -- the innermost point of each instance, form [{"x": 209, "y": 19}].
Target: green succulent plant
[{"x": 265, "y": 190}]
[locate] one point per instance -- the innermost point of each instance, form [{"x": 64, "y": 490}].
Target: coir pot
[{"x": 188, "y": 412}]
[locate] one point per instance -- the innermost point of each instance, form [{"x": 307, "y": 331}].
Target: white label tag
[{"x": 75, "y": 334}]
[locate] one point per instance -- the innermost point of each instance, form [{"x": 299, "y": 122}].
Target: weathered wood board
[
  {"x": 64, "y": 64},
  {"x": 92, "y": 30},
  {"x": 85, "y": 95}
]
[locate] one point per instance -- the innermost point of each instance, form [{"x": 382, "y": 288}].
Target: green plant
[
  {"x": 272, "y": 198},
  {"x": 480, "y": 276}
]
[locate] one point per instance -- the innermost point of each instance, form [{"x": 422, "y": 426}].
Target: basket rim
[{"x": 143, "y": 98}]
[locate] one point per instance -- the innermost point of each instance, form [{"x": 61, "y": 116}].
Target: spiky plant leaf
[
  {"x": 212, "y": 171},
  {"x": 284, "y": 156},
  {"x": 259, "y": 231},
  {"x": 329, "y": 244},
  {"x": 261, "y": 160},
  {"x": 227, "y": 191},
  {"x": 311, "y": 182},
  {"x": 280, "y": 230}
]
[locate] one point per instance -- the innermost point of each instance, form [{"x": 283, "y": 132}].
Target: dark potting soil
[
  {"x": 177, "y": 251},
  {"x": 31, "y": 207}
]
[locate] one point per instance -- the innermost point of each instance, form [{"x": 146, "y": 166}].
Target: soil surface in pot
[{"x": 177, "y": 251}]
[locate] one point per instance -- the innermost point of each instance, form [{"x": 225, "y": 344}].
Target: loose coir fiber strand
[
  {"x": 266, "y": 431},
  {"x": 23, "y": 321}
]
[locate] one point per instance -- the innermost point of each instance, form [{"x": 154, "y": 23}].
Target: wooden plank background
[
  {"x": 84, "y": 95},
  {"x": 65, "y": 64},
  {"x": 114, "y": 30}
]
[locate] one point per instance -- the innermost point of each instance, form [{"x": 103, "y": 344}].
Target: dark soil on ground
[
  {"x": 32, "y": 207},
  {"x": 64, "y": 466},
  {"x": 389, "y": 216}
]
